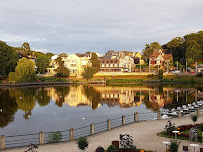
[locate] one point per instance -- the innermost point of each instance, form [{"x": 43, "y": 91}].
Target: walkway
[{"x": 144, "y": 135}]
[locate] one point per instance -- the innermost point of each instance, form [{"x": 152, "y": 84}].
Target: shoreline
[{"x": 153, "y": 82}]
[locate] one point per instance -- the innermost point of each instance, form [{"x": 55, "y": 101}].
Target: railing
[{"x": 72, "y": 134}]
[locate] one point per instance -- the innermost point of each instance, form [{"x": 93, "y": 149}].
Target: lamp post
[
  {"x": 196, "y": 67},
  {"x": 177, "y": 65},
  {"x": 167, "y": 67},
  {"x": 140, "y": 66},
  {"x": 186, "y": 67},
  {"x": 149, "y": 66}
]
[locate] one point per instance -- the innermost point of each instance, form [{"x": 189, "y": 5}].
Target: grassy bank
[{"x": 154, "y": 78}]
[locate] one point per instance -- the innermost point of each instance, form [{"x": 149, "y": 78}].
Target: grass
[
  {"x": 164, "y": 134},
  {"x": 124, "y": 81}
]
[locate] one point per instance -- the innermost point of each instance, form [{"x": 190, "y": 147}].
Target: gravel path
[{"x": 144, "y": 135}]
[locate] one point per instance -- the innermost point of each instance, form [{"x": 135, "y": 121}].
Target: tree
[
  {"x": 49, "y": 55},
  {"x": 194, "y": 51},
  {"x": 190, "y": 61},
  {"x": 26, "y": 46},
  {"x": 149, "y": 48},
  {"x": 175, "y": 46},
  {"x": 95, "y": 62},
  {"x": 42, "y": 63},
  {"x": 88, "y": 72},
  {"x": 8, "y": 59},
  {"x": 61, "y": 71},
  {"x": 24, "y": 71}
]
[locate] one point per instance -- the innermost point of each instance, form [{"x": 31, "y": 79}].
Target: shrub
[
  {"x": 174, "y": 146},
  {"x": 199, "y": 75},
  {"x": 55, "y": 137},
  {"x": 194, "y": 118},
  {"x": 100, "y": 149},
  {"x": 150, "y": 75},
  {"x": 82, "y": 143},
  {"x": 201, "y": 127},
  {"x": 161, "y": 74},
  {"x": 111, "y": 148}
]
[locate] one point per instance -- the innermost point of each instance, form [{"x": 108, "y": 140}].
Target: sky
[{"x": 77, "y": 26}]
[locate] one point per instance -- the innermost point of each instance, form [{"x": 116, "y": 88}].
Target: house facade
[
  {"x": 74, "y": 62},
  {"x": 158, "y": 57}
]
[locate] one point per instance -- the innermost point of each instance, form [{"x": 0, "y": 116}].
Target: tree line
[{"x": 187, "y": 48}]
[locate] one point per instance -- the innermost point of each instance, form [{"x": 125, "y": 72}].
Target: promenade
[{"x": 144, "y": 135}]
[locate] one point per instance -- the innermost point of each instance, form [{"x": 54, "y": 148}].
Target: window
[
  {"x": 115, "y": 65},
  {"x": 107, "y": 65},
  {"x": 103, "y": 65},
  {"x": 111, "y": 65},
  {"x": 73, "y": 65}
]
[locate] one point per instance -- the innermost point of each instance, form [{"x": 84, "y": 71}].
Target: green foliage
[
  {"x": 124, "y": 80},
  {"x": 49, "y": 55},
  {"x": 201, "y": 127},
  {"x": 93, "y": 96},
  {"x": 12, "y": 77},
  {"x": 88, "y": 72},
  {"x": 199, "y": 75},
  {"x": 151, "y": 75},
  {"x": 42, "y": 63},
  {"x": 55, "y": 137},
  {"x": 174, "y": 145},
  {"x": 95, "y": 62},
  {"x": 161, "y": 74},
  {"x": 175, "y": 46},
  {"x": 149, "y": 49},
  {"x": 9, "y": 106},
  {"x": 24, "y": 71},
  {"x": 82, "y": 143},
  {"x": 26, "y": 46},
  {"x": 8, "y": 59},
  {"x": 194, "y": 51},
  {"x": 194, "y": 118},
  {"x": 61, "y": 71},
  {"x": 111, "y": 148},
  {"x": 190, "y": 61},
  {"x": 42, "y": 97}
]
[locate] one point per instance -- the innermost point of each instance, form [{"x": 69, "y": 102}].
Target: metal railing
[{"x": 72, "y": 134}]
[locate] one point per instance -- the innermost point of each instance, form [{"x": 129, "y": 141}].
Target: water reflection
[
  {"x": 154, "y": 98},
  {"x": 8, "y": 108}
]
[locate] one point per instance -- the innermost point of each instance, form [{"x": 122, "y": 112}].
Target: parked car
[{"x": 175, "y": 71}]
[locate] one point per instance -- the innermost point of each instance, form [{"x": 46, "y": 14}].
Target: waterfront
[{"x": 34, "y": 109}]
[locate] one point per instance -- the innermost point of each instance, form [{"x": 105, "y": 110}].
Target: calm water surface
[{"x": 52, "y": 108}]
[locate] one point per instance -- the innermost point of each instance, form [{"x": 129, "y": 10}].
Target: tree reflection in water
[
  {"x": 154, "y": 98},
  {"x": 25, "y": 98},
  {"x": 8, "y": 107},
  {"x": 93, "y": 95},
  {"x": 61, "y": 93}
]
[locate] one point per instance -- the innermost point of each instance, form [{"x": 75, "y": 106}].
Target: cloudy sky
[{"x": 96, "y": 25}]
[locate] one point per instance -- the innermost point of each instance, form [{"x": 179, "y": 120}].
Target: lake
[{"x": 33, "y": 109}]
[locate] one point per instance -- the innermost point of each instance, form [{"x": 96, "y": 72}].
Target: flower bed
[{"x": 184, "y": 128}]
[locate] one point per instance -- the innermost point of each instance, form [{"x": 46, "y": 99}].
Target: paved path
[{"x": 144, "y": 135}]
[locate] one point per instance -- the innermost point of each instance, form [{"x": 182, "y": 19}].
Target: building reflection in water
[{"x": 154, "y": 98}]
